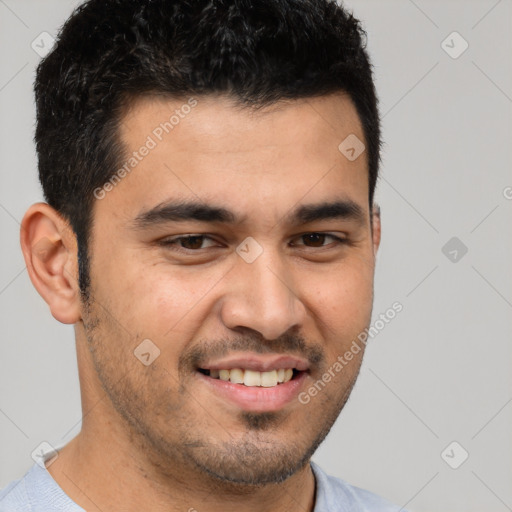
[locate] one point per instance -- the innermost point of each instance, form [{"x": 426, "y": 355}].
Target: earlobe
[
  {"x": 376, "y": 228},
  {"x": 50, "y": 252}
]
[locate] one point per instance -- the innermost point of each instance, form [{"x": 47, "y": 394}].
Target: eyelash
[{"x": 173, "y": 242}]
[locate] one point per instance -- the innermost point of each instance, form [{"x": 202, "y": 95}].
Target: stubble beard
[{"x": 258, "y": 457}]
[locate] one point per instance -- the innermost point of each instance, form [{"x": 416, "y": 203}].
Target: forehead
[
  {"x": 252, "y": 161},
  {"x": 219, "y": 122}
]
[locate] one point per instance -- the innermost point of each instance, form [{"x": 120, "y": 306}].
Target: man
[{"x": 209, "y": 170}]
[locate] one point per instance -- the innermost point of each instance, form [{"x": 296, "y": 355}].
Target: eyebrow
[{"x": 183, "y": 211}]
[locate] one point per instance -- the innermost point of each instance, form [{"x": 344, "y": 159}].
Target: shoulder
[
  {"x": 336, "y": 495},
  {"x": 36, "y": 491},
  {"x": 14, "y": 497}
]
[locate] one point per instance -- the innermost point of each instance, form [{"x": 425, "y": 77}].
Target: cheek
[
  {"x": 342, "y": 300},
  {"x": 162, "y": 300}
]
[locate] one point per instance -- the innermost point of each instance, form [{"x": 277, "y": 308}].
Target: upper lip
[{"x": 257, "y": 363}]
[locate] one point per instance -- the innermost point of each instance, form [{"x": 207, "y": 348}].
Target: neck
[
  {"x": 105, "y": 470},
  {"x": 109, "y": 466}
]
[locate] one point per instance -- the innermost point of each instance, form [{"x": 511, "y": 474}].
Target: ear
[
  {"x": 50, "y": 250},
  {"x": 376, "y": 228}
]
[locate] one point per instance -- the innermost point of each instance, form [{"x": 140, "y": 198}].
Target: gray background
[{"x": 440, "y": 371}]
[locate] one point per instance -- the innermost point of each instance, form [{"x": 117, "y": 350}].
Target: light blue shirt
[{"x": 37, "y": 491}]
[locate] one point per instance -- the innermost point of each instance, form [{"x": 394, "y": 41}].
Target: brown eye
[
  {"x": 189, "y": 242},
  {"x": 192, "y": 242},
  {"x": 317, "y": 240},
  {"x": 314, "y": 239}
]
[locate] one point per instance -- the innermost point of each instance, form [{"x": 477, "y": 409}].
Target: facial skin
[{"x": 162, "y": 433}]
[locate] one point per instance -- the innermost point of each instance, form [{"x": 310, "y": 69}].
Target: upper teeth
[{"x": 252, "y": 378}]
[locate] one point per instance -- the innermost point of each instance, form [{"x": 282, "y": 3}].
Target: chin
[{"x": 253, "y": 463}]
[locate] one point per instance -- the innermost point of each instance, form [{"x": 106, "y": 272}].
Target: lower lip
[{"x": 256, "y": 398}]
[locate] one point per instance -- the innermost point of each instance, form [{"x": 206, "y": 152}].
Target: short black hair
[{"x": 256, "y": 51}]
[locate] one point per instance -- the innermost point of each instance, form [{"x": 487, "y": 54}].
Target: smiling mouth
[{"x": 251, "y": 378}]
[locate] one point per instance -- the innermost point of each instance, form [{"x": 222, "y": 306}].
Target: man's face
[{"x": 264, "y": 285}]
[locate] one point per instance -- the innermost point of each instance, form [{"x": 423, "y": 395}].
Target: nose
[{"x": 261, "y": 297}]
